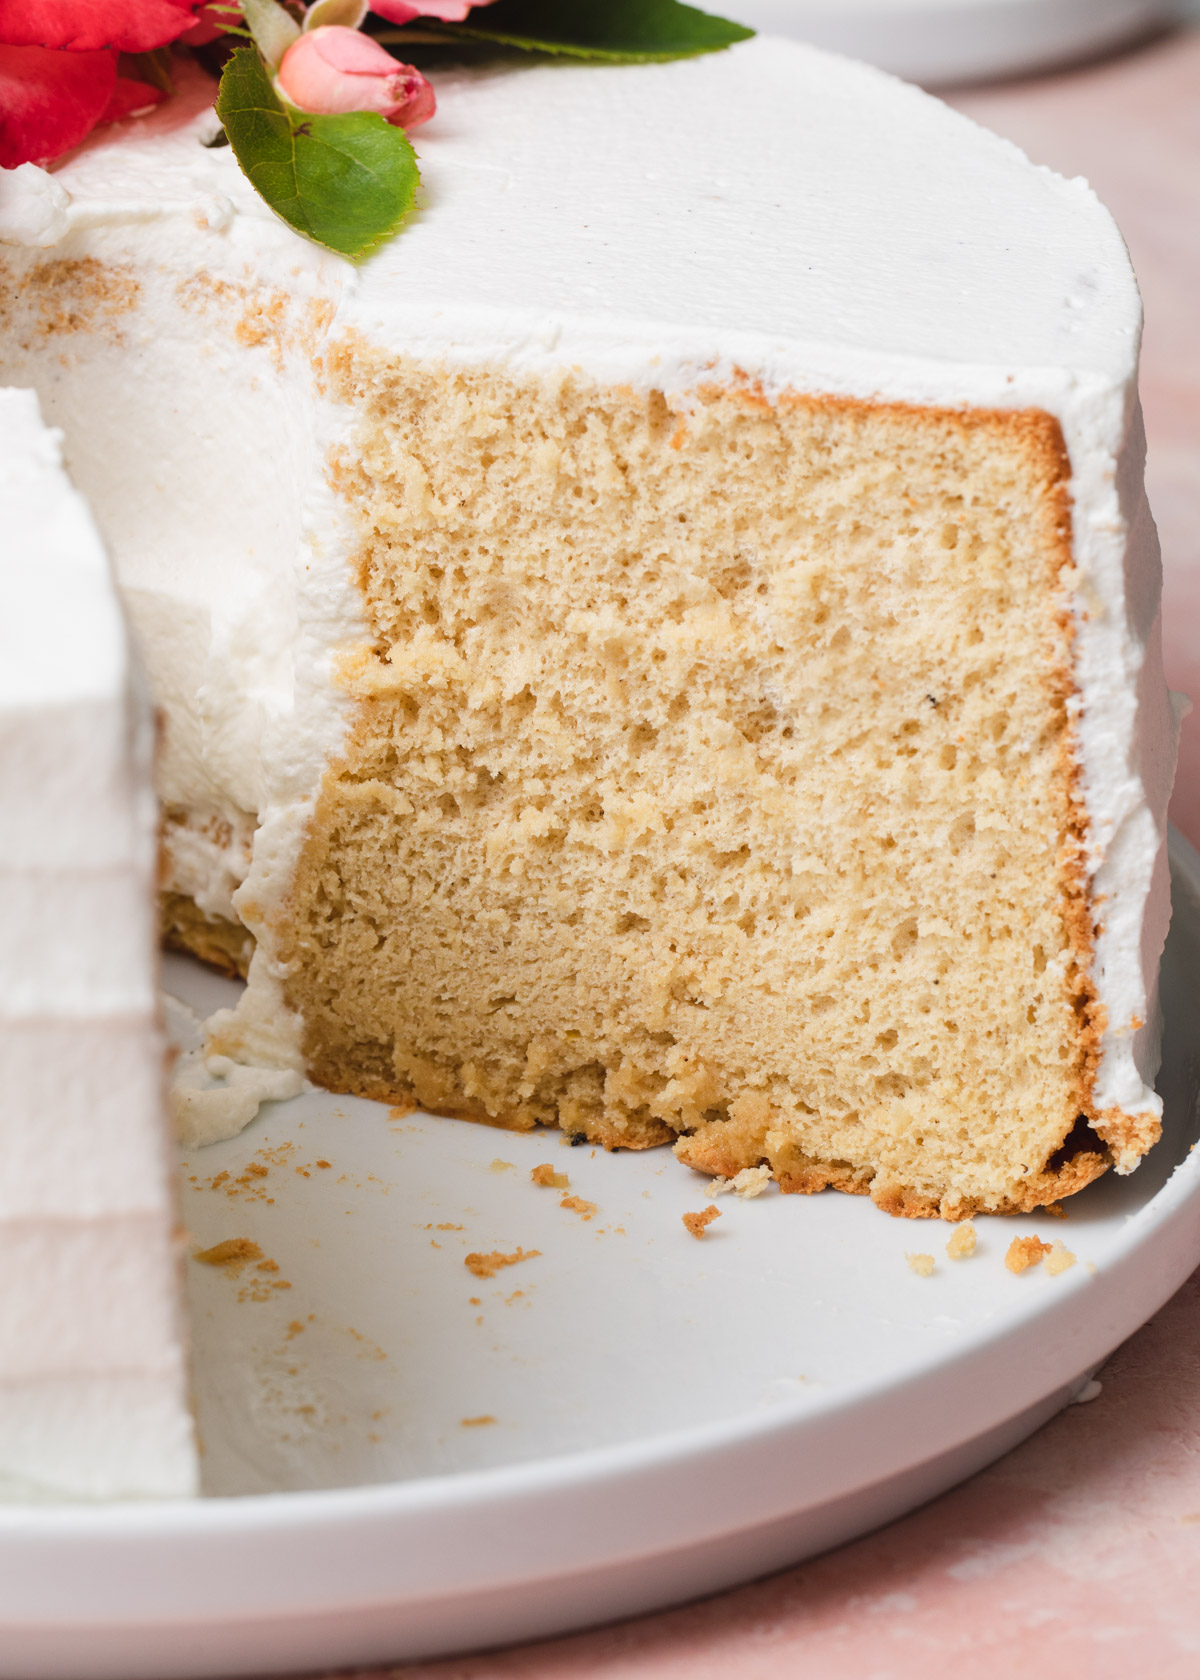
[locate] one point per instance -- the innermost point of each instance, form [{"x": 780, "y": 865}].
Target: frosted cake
[
  {"x": 669, "y": 647},
  {"x": 93, "y": 1379}
]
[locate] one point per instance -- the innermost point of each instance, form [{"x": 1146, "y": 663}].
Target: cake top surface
[
  {"x": 62, "y": 638},
  {"x": 735, "y": 208}
]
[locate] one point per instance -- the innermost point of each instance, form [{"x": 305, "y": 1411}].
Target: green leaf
[
  {"x": 623, "y": 31},
  {"x": 346, "y": 182}
]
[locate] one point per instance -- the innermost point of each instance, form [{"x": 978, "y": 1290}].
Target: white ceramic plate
[
  {"x": 666, "y": 1416},
  {"x": 941, "y": 42}
]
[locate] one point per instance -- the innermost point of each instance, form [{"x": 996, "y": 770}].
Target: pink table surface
[{"x": 1076, "y": 1557}]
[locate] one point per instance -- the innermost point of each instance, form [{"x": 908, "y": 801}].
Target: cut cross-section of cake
[
  {"x": 668, "y": 647},
  {"x": 93, "y": 1377}
]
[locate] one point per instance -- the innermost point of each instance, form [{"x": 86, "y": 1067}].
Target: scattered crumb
[
  {"x": 371, "y": 1350},
  {"x": 962, "y": 1243},
  {"x": 474, "y": 1301},
  {"x": 1059, "y": 1259},
  {"x": 487, "y": 1265},
  {"x": 248, "y": 1185},
  {"x": 698, "y": 1223},
  {"x": 401, "y": 1111},
  {"x": 750, "y": 1182},
  {"x": 324, "y": 1163},
  {"x": 294, "y": 1328},
  {"x": 476, "y": 1423},
  {"x": 517, "y": 1295},
  {"x": 1024, "y": 1252},
  {"x": 576, "y": 1204},
  {"x": 233, "y": 1254},
  {"x": 922, "y": 1264},
  {"x": 502, "y": 1166},
  {"x": 447, "y": 1226},
  {"x": 548, "y": 1179}
]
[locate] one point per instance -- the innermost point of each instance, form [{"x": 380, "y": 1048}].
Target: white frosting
[
  {"x": 92, "y": 1364},
  {"x": 212, "y": 1097},
  {"x": 772, "y": 210}
]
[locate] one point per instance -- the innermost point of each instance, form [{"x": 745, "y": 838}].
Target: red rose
[{"x": 58, "y": 68}]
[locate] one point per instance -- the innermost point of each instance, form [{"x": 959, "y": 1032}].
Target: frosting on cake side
[{"x": 93, "y": 1379}]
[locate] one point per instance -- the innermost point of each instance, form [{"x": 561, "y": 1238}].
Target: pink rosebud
[
  {"x": 447, "y": 11},
  {"x": 335, "y": 69}
]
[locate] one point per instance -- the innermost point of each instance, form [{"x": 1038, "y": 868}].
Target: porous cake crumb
[
  {"x": 698, "y": 1223},
  {"x": 962, "y": 1243},
  {"x": 922, "y": 1264},
  {"x": 576, "y": 1204},
  {"x": 1059, "y": 1259},
  {"x": 671, "y": 857},
  {"x": 1024, "y": 1252},
  {"x": 545, "y": 1176}
]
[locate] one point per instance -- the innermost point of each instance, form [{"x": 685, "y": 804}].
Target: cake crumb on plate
[
  {"x": 922, "y": 1264},
  {"x": 698, "y": 1223},
  {"x": 962, "y": 1243},
  {"x": 233, "y": 1254},
  {"x": 487, "y": 1265},
  {"x": 546, "y": 1177},
  {"x": 1024, "y": 1252},
  {"x": 1059, "y": 1259}
]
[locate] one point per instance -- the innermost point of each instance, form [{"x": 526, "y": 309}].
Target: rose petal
[
  {"x": 50, "y": 101},
  {"x": 89, "y": 25},
  {"x": 446, "y": 11},
  {"x": 130, "y": 99},
  {"x": 352, "y": 53},
  {"x": 211, "y": 23}
]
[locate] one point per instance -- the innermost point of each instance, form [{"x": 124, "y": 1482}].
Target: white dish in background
[
  {"x": 941, "y": 42},
  {"x": 671, "y": 1416}
]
